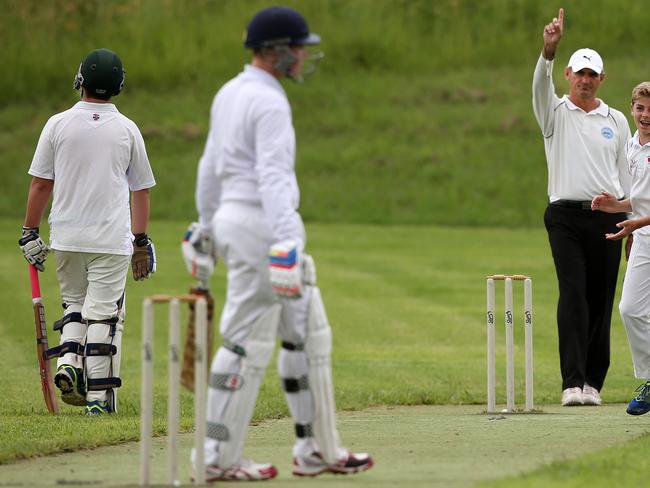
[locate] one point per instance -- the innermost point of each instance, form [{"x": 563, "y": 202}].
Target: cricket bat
[
  {"x": 49, "y": 393},
  {"x": 187, "y": 373}
]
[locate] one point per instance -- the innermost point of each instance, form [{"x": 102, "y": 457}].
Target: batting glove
[
  {"x": 199, "y": 252},
  {"x": 33, "y": 247},
  {"x": 143, "y": 261},
  {"x": 290, "y": 269}
]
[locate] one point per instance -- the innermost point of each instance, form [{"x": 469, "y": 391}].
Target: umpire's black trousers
[{"x": 587, "y": 269}]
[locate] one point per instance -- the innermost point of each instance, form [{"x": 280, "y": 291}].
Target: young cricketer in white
[{"x": 91, "y": 159}]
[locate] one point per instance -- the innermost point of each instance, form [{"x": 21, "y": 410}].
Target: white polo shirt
[
  {"x": 95, "y": 155},
  {"x": 250, "y": 152},
  {"x": 585, "y": 151},
  {"x": 638, "y": 157}
]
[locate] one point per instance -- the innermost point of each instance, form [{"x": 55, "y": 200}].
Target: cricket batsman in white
[
  {"x": 92, "y": 160},
  {"x": 247, "y": 199}
]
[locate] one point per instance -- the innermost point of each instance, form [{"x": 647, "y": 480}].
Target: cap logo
[{"x": 588, "y": 58}]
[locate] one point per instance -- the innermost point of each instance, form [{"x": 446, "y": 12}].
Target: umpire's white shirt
[
  {"x": 585, "y": 152},
  {"x": 250, "y": 152},
  {"x": 95, "y": 155}
]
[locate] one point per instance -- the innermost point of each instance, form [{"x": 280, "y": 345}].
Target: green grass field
[{"x": 406, "y": 303}]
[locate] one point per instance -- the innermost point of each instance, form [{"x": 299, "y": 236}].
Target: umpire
[{"x": 584, "y": 141}]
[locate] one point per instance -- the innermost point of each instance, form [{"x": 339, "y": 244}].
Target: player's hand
[
  {"x": 627, "y": 227},
  {"x": 143, "y": 261},
  {"x": 290, "y": 269},
  {"x": 199, "y": 252},
  {"x": 552, "y": 34},
  {"x": 606, "y": 202},
  {"x": 33, "y": 247}
]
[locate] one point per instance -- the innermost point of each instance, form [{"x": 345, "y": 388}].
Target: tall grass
[
  {"x": 171, "y": 43},
  {"x": 420, "y": 112}
]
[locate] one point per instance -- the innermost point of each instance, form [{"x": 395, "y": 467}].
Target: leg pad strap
[
  {"x": 100, "y": 349},
  {"x": 96, "y": 384},
  {"x": 66, "y": 319},
  {"x": 289, "y": 346},
  {"x": 65, "y": 348},
  {"x": 304, "y": 430},
  {"x": 294, "y": 385},
  {"x": 236, "y": 348}
]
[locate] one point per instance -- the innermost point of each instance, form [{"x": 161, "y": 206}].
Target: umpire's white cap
[{"x": 586, "y": 58}]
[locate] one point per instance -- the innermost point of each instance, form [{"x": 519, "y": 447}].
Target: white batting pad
[
  {"x": 319, "y": 350},
  {"x": 259, "y": 350}
]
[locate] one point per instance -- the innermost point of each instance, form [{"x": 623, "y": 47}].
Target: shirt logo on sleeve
[{"x": 607, "y": 132}]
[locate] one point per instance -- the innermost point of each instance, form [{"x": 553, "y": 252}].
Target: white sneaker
[
  {"x": 245, "y": 470},
  {"x": 590, "y": 396},
  {"x": 572, "y": 396},
  {"x": 314, "y": 464}
]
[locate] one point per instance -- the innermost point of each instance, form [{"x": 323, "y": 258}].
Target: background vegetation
[{"x": 420, "y": 111}]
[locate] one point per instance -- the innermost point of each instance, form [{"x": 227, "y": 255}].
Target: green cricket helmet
[{"x": 101, "y": 74}]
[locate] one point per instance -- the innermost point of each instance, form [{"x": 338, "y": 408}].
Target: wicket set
[
  {"x": 173, "y": 401},
  {"x": 509, "y": 333}
]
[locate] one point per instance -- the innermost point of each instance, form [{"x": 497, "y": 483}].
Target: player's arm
[
  {"x": 198, "y": 247},
  {"x": 627, "y": 227},
  {"x": 544, "y": 98},
  {"x": 40, "y": 191},
  {"x": 208, "y": 186},
  {"x": 274, "y": 143},
  {"x": 140, "y": 211},
  {"x": 622, "y": 163},
  {"x": 606, "y": 202},
  {"x": 552, "y": 34},
  {"x": 143, "y": 261},
  {"x": 30, "y": 242}
]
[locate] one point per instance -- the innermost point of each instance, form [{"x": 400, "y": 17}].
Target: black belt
[{"x": 581, "y": 204}]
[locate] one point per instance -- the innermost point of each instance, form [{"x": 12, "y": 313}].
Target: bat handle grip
[{"x": 33, "y": 279}]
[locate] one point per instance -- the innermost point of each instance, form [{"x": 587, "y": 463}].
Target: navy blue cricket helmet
[{"x": 278, "y": 25}]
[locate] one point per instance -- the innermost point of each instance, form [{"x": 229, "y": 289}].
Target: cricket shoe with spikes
[
  {"x": 640, "y": 404},
  {"x": 245, "y": 470},
  {"x": 97, "y": 408},
  {"x": 70, "y": 381},
  {"x": 348, "y": 463}
]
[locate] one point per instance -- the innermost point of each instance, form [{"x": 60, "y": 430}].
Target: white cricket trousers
[
  {"x": 92, "y": 284},
  {"x": 635, "y": 305},
  {"x": 243, "y": 237}
]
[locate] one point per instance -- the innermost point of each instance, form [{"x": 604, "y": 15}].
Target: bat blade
[
  {"x": 49, "y": 392},
  {"x": 189, "y": 352}
]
